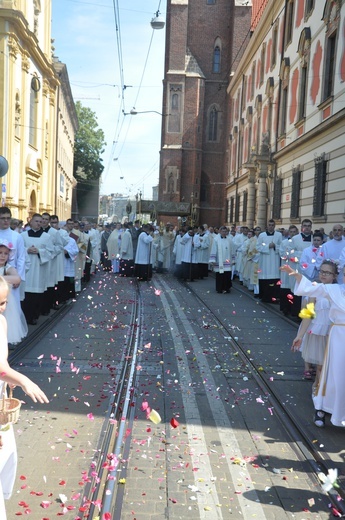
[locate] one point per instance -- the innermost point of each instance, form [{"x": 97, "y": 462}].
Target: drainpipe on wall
[{"x": 239, "y": 148}]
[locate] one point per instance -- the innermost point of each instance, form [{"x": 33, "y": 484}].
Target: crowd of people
[
  {"x": 52, "y": 258},
  {"x": 43, "y": 264},
  {"x": 46, "y": 261}
]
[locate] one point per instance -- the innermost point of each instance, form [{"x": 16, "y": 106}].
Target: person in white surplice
[
  {"x": 40, "y": 249},
  {"x": 222, "y": 258},
  {"x": 267, "y": 246},
  {"x": 330, "y": 395},
  {"x": 8, "y": 449}
]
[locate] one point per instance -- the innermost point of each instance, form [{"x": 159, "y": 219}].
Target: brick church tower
[{"x": 203, "y": 40}]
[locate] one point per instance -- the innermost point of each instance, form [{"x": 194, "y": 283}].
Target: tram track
[
  {"x": 104, "y": 495},
  {"x": 104, "y": 492},
  {"x": 305, "y": 447},
  {"x": 25, "y": 346}
]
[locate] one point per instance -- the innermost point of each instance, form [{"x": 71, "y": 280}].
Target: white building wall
[{"x": 319, "y": 133}]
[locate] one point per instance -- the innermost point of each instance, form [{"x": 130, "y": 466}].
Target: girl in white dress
[
  {"x": 330, "y": 396},
  {"x": 17, "y": 326},
  {"x": 312, "y": 334},
  {"x": 8, "y": 451}
]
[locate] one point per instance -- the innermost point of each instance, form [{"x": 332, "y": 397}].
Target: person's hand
[
  {"x": 296, "y": 344},
  {"x": 34, "y": 391},
  {"x": 286, "y": 269}
]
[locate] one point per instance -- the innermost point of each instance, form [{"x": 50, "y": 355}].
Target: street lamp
[
  {"x": 157, "y": 22},
  {"x": 134, "y": 112}
]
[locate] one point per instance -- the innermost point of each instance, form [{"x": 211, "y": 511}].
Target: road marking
[{"x": 249, "y": 508}]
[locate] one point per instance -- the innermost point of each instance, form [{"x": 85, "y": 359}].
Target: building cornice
[
  {"x": 274, "y": 9},
  {"x": 329, "y": 123},
  {"x": 28, "y": 43}
]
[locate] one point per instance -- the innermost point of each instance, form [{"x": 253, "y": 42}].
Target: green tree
[{"x": 88, "y": 146}]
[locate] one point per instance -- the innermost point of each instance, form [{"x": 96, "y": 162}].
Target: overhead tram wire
[
  {"x": 119, "y": 47},
  {"x": 145, "y": 64},
  {"x": 226, "y": 76},
  {"x": 119, "y": 125},
  {"x": 123, "y": 87}
]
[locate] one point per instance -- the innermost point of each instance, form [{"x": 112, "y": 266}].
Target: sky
[{"x": 98, "y": 40}]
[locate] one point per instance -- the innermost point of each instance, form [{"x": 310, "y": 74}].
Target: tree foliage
[{"x": 88, "y": 146}]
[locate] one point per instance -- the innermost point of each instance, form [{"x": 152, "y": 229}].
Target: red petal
[{"x": 174, "y": 423}]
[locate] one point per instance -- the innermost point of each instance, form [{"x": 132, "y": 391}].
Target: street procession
[
  {"x": 226, "y": 265},
  {"x": 172, "y": 259}
]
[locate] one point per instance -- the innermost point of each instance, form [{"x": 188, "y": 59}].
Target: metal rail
[
  {"x": 304, "y": 445},
  {"x": 104, "y": 496}
]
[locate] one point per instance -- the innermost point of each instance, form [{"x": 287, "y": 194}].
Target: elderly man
[{"x": 40, "y": 248}]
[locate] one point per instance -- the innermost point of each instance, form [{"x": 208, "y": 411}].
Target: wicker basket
[{"x": 9, "y": 408}]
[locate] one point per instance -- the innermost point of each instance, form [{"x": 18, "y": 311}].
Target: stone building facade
[
  {"x": 29, "y": 122},
  {"x": 67, "y": 126},
  {"x": 287, "y": 97}
]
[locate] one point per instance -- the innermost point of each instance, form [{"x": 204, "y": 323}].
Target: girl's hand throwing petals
[{"x": 296, "y": 344}]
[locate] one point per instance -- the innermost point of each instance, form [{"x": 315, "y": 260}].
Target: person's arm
[
  {"x": 291, "y": 272},
  {"x": 14, "y": 378},
  {"x": 12, "y": 277},
  {"x": 297, "y": 342}
]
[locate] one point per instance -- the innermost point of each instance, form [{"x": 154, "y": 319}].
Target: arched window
[
  {"x": 213, "y": 125},
  {"x": 216, "y": 60},
  {"x": 284, "y": 76},
  {"x": 262, "y": 65},
  {"x": 33, "y": 110},
  {"x": 274, "y": 44},
  {"x": 304, "y": 52},
  {"x": 309, "y": 6},
  {"x": 331, "y": 17},
  {"x": 174, "y": 101},
  {"x": 289, "y": 22}
]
